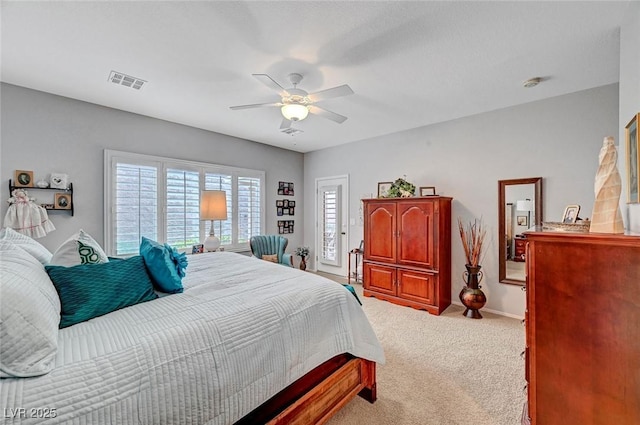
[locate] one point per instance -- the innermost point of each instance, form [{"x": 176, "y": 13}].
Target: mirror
[{"x": 519, "y": 208}]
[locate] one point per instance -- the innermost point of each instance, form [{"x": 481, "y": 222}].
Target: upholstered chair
[{"x": 270, "y": 245}]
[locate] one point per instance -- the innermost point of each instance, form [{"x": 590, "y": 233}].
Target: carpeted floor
[{"x": 442, "y": 370}]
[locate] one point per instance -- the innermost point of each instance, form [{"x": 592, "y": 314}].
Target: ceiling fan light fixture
[{"x": 295, "y": 111}]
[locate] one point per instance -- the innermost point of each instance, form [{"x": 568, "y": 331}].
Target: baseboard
[{"x": 498, "y": 312}]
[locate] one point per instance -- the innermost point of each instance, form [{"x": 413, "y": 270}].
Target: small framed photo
[
  {"x": 428, "y": 191},
  {"x": 197, "y": 249},
  {"x": 522, "y": 220},
  {"x": 292, "y": 210},
  {"x": 279, "y": 203},
  {"x": 383, "y": 189},
  {"x": 285, "y": 203},
  {"x": 280, "y": 211},
  {"x": 570, "y": 214},
  {"x": 292, "y": 204},
  {"x": 23, "y": 178},
  {"x": 59, "y": 181},
  {"x": 633, "y": 160},
  {"x": 62, "y": 201}
]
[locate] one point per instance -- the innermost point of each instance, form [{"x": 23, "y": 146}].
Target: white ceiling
[{"x": 410, "y": 63}]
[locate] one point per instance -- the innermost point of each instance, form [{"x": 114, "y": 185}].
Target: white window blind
[
  {"x": 249, "y": 208},
  {"x": 330, "y": 225},
  {"x": 136, "y": 206},
  {"x": 183, "y": 208},
  {"x": 160, "y": 198}
]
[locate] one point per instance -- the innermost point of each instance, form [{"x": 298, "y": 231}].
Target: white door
[{"x": 332, "y": 219}]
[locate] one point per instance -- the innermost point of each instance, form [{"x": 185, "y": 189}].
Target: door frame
[{"x": 345, "y": 214}]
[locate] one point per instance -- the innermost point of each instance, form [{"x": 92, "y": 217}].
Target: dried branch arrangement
[{"x": 472, "y": 238}]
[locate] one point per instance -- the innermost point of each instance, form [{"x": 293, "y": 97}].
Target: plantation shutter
[
  {"x": 183, "y": 207},
  {"x": 249, "y": 210},
  {"x": 330, "y": 225},
  {"x": 136, "y": 206},
  {"x": 223, "y": 229}
]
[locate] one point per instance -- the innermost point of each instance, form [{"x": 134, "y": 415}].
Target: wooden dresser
[
  {"x": 407, "y": 251},
  {"x": 583, "y": 328}
]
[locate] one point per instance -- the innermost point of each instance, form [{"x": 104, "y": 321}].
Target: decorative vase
[
  {"x": 606, "y": 217},
  {"x": 303, "y": 263},
  {"x": 471, "y": 295}
]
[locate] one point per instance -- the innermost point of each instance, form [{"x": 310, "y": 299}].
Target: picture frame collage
[
  {"x": 285, "y": 207},
  {"x": 285, "y": 188},
  {"x": 285, "y": 226}
]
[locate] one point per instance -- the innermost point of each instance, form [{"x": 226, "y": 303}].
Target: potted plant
[
  {"x": 303, "y": 253},
  {"x": 472, "y": 237}
]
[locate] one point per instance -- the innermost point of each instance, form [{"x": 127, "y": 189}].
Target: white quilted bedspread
[{"x": 243, "y": 330}]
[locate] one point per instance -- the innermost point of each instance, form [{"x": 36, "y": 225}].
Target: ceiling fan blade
[
  {"x": 255, "y": 105},
  {"x": 285, "y": 124},
  {"x": 327, "y": 114},
  {"x": 271, "y": 83},
  {"x": 343, "y": 90}
]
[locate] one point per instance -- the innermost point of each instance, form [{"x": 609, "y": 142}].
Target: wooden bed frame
[{"x": 319, "y": 394}]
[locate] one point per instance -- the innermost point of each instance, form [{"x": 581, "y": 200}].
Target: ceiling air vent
[
  {"x": 291, "y": 131},
  {"x": 126, "y": 80}
]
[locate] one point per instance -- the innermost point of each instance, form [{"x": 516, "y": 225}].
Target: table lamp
[{"x": 213, "y": 206}]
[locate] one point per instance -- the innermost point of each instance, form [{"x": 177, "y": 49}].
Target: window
[{"x": 159, "y": 198}]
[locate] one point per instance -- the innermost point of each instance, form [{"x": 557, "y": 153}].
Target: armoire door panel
[
  {"x": 416, "y": 286},
  {"x": 381, "y": 233},
  {"x": 380, "y": 278},
  {"x": 415, "y": 226}
]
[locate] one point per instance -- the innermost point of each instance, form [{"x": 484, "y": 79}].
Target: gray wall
[
  {"x": 557, "y": 138},
  {"x": 47, "y": 133},
  {"x": 629, "y": 100}
]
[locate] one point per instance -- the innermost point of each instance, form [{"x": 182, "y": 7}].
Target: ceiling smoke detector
[
  {"x": 126, "y": 80},
  {"x": 532, "y": 82}
]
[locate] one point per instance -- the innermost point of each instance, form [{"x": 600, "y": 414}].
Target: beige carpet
[{"x": 443, "y": 369}]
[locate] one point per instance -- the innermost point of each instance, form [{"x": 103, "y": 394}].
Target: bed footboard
[{"x": 318, "y": 395}]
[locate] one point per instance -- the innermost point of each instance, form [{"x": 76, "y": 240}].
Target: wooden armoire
[
  {"x": 582, "y": 323},
  {"x": 407, "y": 251}
]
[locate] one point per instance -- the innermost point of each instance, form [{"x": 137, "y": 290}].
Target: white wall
[
  {"x": 47, "y": 133},
  {"x": 557, "y": 138},
  {"x": 629, "y": 100}
]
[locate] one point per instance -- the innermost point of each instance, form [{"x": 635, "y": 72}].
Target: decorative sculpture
[{"x": 606, "y": 217}]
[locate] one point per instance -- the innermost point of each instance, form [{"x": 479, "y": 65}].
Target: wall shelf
[{"x": 68, "y": 191}]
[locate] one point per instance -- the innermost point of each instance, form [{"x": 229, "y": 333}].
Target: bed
[{"x": 248, "y": 341}]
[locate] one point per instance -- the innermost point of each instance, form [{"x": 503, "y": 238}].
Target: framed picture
[
  {"x": 292, "y": 210},
  {"x": 428, "y": 191},
  {"x": 292, "y": 204},
  {"x": 383, "y": 189},
  {"x": 62, "y": 201},
  {"x": 570, "y": 213},
  {"x": 197, "y": 249},
  {"x": 633, "y": 160},
  {"x": 23, "y": 178},
  {"x": 522, "y": 220},
  {"x": 58, "y": 181},
  {"x": 280, "y": 211},
  {"x": 279, "y": 203}
]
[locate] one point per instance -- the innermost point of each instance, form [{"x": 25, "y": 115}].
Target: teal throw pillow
[
  {"x": 91, "y": 290},
  {"x": 165, "y": 265}
]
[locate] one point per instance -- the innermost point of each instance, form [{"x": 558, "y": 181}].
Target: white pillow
[
  {"x": 80, "y": 248},
  {"x": 29, "y": 315},
  {"x": 30, "y": 245}
]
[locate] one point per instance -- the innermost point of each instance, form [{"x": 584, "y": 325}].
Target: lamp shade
[
  {"x": 526, "y": 205},
  {"x": 295, "y": 111},
  {"x": 213, "y": 205}
]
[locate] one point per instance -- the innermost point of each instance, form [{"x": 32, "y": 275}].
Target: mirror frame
[{"x": 502, "y": 245}]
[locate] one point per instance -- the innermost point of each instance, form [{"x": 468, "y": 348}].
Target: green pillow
[{"x": 91, "y": 290}]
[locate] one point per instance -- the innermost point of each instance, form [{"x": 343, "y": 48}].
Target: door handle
[{"x": 343, "y": 233}]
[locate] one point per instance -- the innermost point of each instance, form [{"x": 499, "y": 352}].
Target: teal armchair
[{"x": 271, "y": 245}]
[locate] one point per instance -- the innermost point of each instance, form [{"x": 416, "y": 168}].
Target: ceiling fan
[{"x": 296, "y": 104}]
